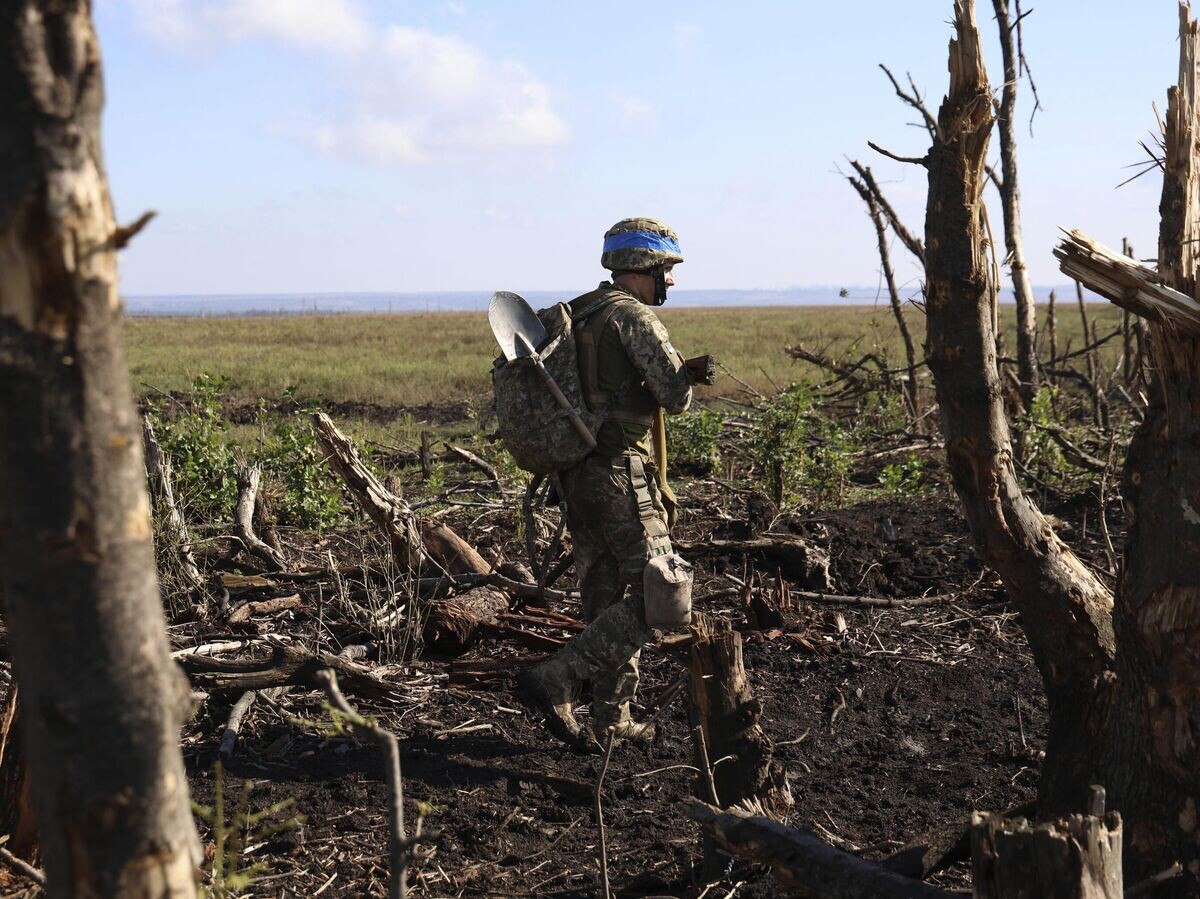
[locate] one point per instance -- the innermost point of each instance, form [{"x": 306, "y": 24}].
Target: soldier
[{"x": 615, "y": 512}]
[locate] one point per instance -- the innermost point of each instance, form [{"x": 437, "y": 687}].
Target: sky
[{"x": 392, "y": 145}]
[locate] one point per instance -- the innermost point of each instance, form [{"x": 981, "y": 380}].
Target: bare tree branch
[{"x": 910, "y": 240}]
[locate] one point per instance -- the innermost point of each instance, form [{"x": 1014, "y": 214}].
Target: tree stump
[
  {"x": 1075, "y": 858},
  {"x": 723, "y": 705}
]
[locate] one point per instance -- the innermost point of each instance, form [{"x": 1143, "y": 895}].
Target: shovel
[{"x": 519, "y": 332}]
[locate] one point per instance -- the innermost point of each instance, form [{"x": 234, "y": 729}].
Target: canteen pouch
[{"x": 667, "y": 590}]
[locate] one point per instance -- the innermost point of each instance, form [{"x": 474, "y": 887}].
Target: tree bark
[
  {"x": 724, "y": 706},
  {"x": 89, "y": 646},
  {"x": 1065, "y": 609},
  {"x": 1010, "y": 198},
  {"x": 1075, "y": 858},
  {"x": 1153, "y": 759}
]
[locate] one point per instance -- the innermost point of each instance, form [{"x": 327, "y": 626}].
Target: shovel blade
[{"x": 510, "y": 316}]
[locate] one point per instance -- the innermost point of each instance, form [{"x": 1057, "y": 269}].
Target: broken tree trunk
[
  {"x": 388, "y": 511},
  {"x": 76, "y": 557},
  {"x": 1151, "y": 767},
  {"x": 454, "y": 554},
  {"x": 742, "y": 755},
  {"x": 803, "y": 863},
  {"x": 1075, "y": 858},
  {"x": 1065, "y": 608},
  {"x": 248, "y": 477}
]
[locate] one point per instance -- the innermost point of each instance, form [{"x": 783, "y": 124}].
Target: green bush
[
  {"x": 692, "y": 439},
  {"x": 905, "y": 478},
  {"x": 196, "y": 441}
]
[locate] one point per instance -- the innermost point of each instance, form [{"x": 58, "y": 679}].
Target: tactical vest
[{"x": 609, "y": 380}]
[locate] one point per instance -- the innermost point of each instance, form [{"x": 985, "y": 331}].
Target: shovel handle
[{"x": 588, "y": 440}]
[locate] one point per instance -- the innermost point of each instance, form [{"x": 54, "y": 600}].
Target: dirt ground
[{"x": 887, "y": 721}]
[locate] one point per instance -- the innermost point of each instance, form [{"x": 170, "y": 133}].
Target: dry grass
[{"x": 412, "y": 360}]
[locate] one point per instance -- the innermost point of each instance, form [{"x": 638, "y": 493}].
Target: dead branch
[
  {"x": 390, "y": 512},
  {"x": 285, "y": 666},
  {"x": 1127, "y": 283},
  {"x": 912, "y": 97},
  {"x": 910, "y": 240},
  {"x": 803, "y": 862},
  {"x": 158, "y": 467},
  {"x": 248, "y": 477},
  {"x": 471, "y": 459},
  {"x": 264, "y": 607},
  {"x": 234, "y": 725}
]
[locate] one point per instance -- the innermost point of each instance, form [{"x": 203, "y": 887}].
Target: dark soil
[{"x": 888, "y": 722}]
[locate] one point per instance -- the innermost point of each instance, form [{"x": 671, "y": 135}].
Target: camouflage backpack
[{"x": 532, "y": 426}]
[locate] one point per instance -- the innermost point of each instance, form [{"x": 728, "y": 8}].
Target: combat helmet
[{"x": 639, "y": 245}]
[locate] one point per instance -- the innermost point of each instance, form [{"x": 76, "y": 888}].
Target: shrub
[{"x": 692, "y": 438}]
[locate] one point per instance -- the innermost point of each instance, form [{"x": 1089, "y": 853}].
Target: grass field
[{"x": 412, "y": 360}]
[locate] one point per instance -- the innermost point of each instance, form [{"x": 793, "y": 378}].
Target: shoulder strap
[{"x": 587, "y": 344}]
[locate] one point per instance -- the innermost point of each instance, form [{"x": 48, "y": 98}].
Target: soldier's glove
[{"x": 701, "y": 370}]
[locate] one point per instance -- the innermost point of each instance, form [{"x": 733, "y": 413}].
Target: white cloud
[
  {"x": 316, "y": 24},
  {"x": 637, "y": 113},
  {"x": 308, "y": 24},
  {"x": 403, "y": 95}
]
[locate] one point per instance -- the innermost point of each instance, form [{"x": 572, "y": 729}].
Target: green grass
[{"x": 406, "y": 361}]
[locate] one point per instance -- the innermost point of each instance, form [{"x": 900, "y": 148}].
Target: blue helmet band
[{"x": 641, "y": 240}]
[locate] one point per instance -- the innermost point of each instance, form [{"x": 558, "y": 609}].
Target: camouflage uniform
[{"x": 614, "y": 510}]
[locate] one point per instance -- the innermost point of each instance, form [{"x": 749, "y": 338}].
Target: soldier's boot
[
  {"x": 551, "y": 688},
  {"x": 605, "y": 645},
  {"x": 612, "y": 693}
]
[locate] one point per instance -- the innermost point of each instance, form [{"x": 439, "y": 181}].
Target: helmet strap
[{"x": 660, "y": 286}]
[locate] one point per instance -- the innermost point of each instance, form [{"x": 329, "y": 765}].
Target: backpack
[{"x": 532, "y": 426}]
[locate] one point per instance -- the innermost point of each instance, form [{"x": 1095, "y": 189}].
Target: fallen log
[
  {"x": 285, "y": 666},
  {"x": 803, "y": 863},
  {"x": 937, "y": 849},
  {"x": 454, "y": 554},
  {"x": 263, "y": 607},
  {"x": 800, "y": 560}
]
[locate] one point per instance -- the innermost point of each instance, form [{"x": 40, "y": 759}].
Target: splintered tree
[
  {"x": 1124, "y": 708},
  {"x": 1066, "y": 610},
  {"x": 102, "y": 700}
]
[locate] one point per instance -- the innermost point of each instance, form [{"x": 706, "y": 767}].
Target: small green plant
[
  {"x": 290, "y": 456},
  {"x": 195, "y": 438},
  {"x": 231, "y": 835},
  {"x": 692, "y": 438},
  {"x": 779, "y": 444},
  {"x": 904, "y": 478}
]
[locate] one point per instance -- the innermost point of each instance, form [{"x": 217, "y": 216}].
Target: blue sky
[{"x": 349, "y": 145}]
